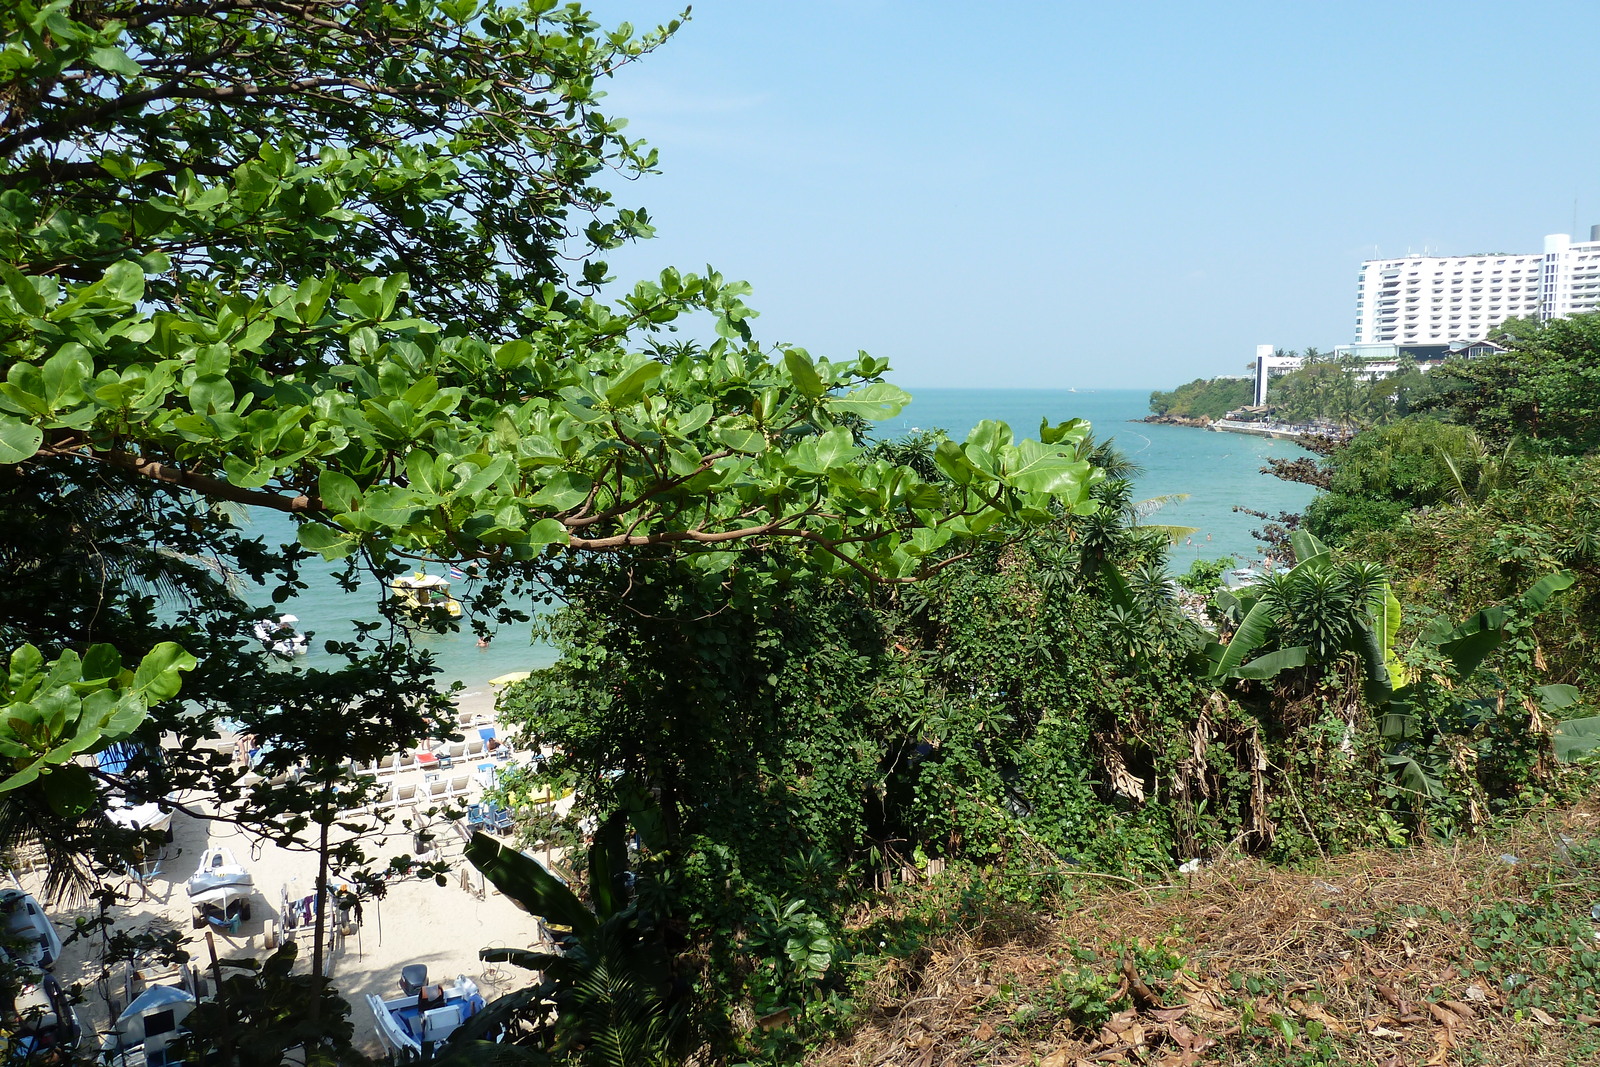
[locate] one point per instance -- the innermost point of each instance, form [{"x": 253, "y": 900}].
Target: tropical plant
[{"x": 606, "y": 993}]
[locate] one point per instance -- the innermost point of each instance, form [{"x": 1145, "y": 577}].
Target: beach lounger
[
  {"x": 438, "y": 790},
  {"x": 459, "y": 785},
  {"x": 406, "y": 761},
  {"x": 385, "y": 765},
  {"x": 474, "y": 748}
]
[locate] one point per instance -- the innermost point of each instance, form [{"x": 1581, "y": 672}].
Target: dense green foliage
[
  {"x": 1544, "y": 390},
  {"x": 1330, "y": 391},
  {"x": 337, "y": 259},
  {"x": 1384, "y": 474},
  {"x": 1203, "y": 398}
]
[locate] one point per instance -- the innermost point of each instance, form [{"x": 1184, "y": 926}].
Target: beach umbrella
[{"x": 507, "y": 679}]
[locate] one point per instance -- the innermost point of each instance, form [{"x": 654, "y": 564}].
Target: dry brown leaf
[
  {"x": 984, "y": 1032},
  {"x": 1443, "y": 1016},
  {"x": 1315, "y": 1011},
  {"x": 1384, "y": 1031},
  {"x": 1388, "y": 993},
  {"x": 1186, "y": 1038},
  {"x": 1463, "y": 1010},
  {"x": 1057, "y": 1058},
  {"x": 1169, "y": 1015},
  {"x": 1444, "y": 1039},
  {"x": 1543, "y": 1016},
  {"x": 1121, "y": 1021},
  {"x": 1588, "y": 1020},
  {"x": 1475, "y": 993}
]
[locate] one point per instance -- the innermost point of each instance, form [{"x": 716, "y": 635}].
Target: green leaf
[
  {"x": 565, "y": 491},
  {"x": 1272, "y": 663},
  {"x": 18, "y": 440},
  {"x": 631, "y": 386},
  {"x": 158, "y": 675},
  {"x": 1305, "y": 545},
  {"x": 1469, "y": 643},
  {"x": 528, "y": 884},
  {"x": 114, "y": 60},
  {"x": 1250, "y": 635},
  {"x": 548, "y": 532},
  {"x": 339, "y": 492},
  {"x": 804, "y": 374},
  {"x": 70, "y": 790},
  {"x": 1038, "y": 468},
  {"x": 875, "y": 401},
  {"x": 1576, "y": 737},
  {"x": 737, "y": 433},
  {"x": 1556, "y": 697},
  {"x": 123, "y": 281},
  {"x": 330, "y": 544}
]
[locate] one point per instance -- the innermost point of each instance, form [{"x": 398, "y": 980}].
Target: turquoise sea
[{"x": 1217, "y": 470}]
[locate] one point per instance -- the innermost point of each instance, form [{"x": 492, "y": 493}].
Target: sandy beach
[{"x": 417, "y": 922}]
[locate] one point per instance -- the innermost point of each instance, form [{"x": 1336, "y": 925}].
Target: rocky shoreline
[{"x": 1200, "y": 423}]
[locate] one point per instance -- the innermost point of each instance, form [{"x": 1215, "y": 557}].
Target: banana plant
[
  {"x": 1312, "y": 612},
  {"x": 1335, "y": 608},
  {"x": 606, "y": 996}
]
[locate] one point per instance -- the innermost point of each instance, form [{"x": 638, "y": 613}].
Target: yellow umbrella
[{"x": 507, "y": 679}]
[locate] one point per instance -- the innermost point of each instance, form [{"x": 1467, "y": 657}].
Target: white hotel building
[{"x": 1434, "y": 300}]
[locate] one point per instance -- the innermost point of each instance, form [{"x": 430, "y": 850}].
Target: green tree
[
  {"x": 1542, "y": 390},
  {"x": 1382, "y": 475},
  {"x": 1209, "y": 398},
  {"x": 337, "y": 260}
]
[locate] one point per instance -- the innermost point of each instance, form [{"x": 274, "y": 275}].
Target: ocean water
[{"x": 1217, "y": 470}]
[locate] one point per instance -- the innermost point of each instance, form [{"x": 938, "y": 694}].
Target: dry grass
[{"x": 1368, "y": 950}]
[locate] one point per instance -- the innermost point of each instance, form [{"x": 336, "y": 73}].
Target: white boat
[
  {"x": 218, "y": 877},
  {"x": 47, "y": 1026},
  {"x": 404, "y": 1023},
  {"x": 280, "y": 637},
  {"x": 146, "y": 816},
  {"x": 34, "y": 942},
  {"x": 149, "y": 1024}
]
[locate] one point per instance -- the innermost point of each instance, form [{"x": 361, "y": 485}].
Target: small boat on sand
[
  {"x": 31, "y": 940},
  {"x": 140, "y": 1035},
  {"x": 218, "y": 870},
  {"x": 425, "y": 1013}
]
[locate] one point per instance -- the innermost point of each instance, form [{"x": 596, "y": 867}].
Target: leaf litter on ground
[{"x": 1378, "y": 957}]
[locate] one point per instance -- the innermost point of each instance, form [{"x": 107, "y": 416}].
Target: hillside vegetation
[
  {"x": 1203, "y": 398},
  {"x": 1481, "y": 952}
]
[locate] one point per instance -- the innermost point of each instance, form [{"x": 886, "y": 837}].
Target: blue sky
[{"x": 1131, "y": 194}]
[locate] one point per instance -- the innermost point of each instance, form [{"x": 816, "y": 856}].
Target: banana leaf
[
  {"x": 1264, "y": 667},
  {"x": 1576, "y": 737},
  {"x": 525, "y": 881},
  {"x": 1250, "y": 635},
  {"x": 1471, "y": 642}
]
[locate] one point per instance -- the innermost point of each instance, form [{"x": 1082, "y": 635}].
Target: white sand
[{"x": 417, "y": 922}]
